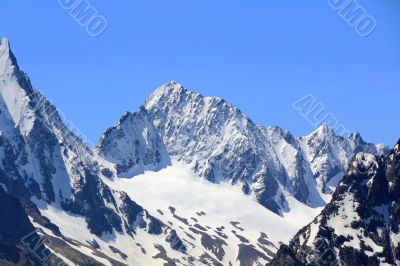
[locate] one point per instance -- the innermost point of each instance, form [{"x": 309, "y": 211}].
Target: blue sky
[{"x": 261, "y": 55}]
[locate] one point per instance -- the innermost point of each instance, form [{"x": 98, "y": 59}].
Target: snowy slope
[
  {"x": 222, "y": 144},
  {"x": 53, "y": 171},
  {"x": 218, "y": 225},
  {"x": 220, "y": 211},
  {"x": 126, "y": 203},
  {"x": 360, "y": 226},
  {"x": 76, "y": 204}
]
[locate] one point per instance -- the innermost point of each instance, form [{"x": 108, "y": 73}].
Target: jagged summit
[
  {"x": 8, "y": 62},
  {"x": 133, "y": 146},
  {"x": 360, "y": 226},
  {"x": 356, "y": 136},
  {"x": 51, "y": 169},
  {"x": 142, "y": 112},
  {"x": 326, "y": 130},
  {"x": 323, "y": 131},
  {"x": 175, "y": 93},
  {"x": 4, "y": 45},
  {"x": 46, "y": 165},
  {"x": 166, "y": 91},
  {"x": 222, "y": 144},
  {"x": 9, "y": 65}
]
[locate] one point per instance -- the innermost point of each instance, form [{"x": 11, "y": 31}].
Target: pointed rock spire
[
  {"x": 325, "y": 130},
  {"x": 7, "y": 59},
  {"x": 4, "y": 44}
]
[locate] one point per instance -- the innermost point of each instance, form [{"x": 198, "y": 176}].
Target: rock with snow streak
[
  {"x": 43, "y": 162},
  {"x": 42, "y": 155},
  {"x": 14, "y": 226},
  {"x": 133, "y": 146},
  {"x": 329, "y": 154},
  {"x": 222, "y": 144},
  {"x": 74, "y": 197},
  {"x": 360, "y": 226}
]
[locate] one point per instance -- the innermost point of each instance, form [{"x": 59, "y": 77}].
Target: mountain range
[
  {"x": 185, "y": 180},
  {"x": 360, "y": 226}
]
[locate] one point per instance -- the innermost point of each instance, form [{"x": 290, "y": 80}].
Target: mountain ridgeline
[
  {"x": 222, "y": 144},
  {"x": 43, "y": 162},
  {"x": 75, "y": 198},
  {"x": 360, "y": 226}
]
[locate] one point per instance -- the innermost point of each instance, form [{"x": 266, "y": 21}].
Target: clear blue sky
[{"x": 260, "y": 55}]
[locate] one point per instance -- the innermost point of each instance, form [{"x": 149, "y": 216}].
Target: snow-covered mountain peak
[
  {"x": 324, "y": 131},
  {"x": 9, "y": 68},
  {"x": 278, "y": 130},
  {"x": 141, "y": 114},
  {"x": 133, "y": 146},
  {"x": 222, "y": 144},
  {"x": 216, "y": 139},
  {"x": 7, "y": 59},
  {"x": 360, "y": 225},
  {"x": 172, "y": 86},
  {"x": 356, "y": 136},
  {"x": 167, "y": 91},
  {"x": 76, "y": 188},
  {"x": 175, "y": 95},
  {"x": 15, "y": 90},
  {"x": 4, "y": 45}
]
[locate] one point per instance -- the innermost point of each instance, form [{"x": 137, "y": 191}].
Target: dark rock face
[
  {"x": 248, "y": 255},
  {"x": 175, "y": 242},
  {"x": 212, "y": 243},
  {"x": 266, "y": 194},
  {"x": 285, "y": 257},
  {"x": 360, "y": 226},
  {"x": 14, "y": 226},
  {"x": 222, "y": 144},
  {"x": 134, "y": 146},
  {"x": 89, "y": 201},
  {"x": 41, "y": 156},
  {"x": 137, "y": 217},
  {"x": 42, "y": 143},
  {"x": 119, "y": 252},
  {"x": 131, "y": 211},
  {"x": 164, "y": 256}
]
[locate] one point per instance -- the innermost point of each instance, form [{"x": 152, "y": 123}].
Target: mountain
[
  {"x": 14, "y": 225},
  {"x": 185, "y": 180},
  {"x": 46, "y": 166},
  {"x": 222, "y": 144},
  {"x": 360, "y": 226},
  {"x": 41, "y": 156},
  {"x": 330, "y": 155},
  {"x": 76, "y": 206},
  {"x": 133, "y": 146}
]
